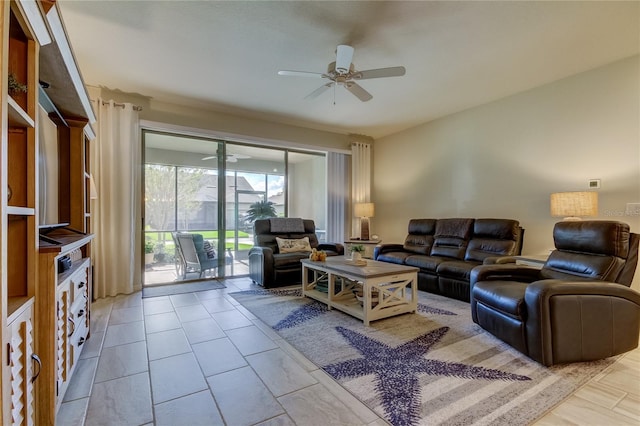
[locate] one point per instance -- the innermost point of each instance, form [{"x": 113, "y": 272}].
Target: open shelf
[
  {"x": 21, "y": 168},
  {"x": 20, "y": 211},
  {"x": 18, "y": 117},
  {"x": 19, "y": 257},
  {"x": 14, "y": 305}
]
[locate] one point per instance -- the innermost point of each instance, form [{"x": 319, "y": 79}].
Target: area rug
[
  {"x": 433, "y": 367},
  {"x": 168, "y": 290}
]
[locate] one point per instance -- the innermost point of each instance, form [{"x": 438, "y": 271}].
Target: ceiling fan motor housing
[
  {"x": 333, "y": 72},
  {"x": 341, "y": 72}
]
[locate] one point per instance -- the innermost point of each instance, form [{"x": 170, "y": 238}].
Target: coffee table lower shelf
[{"x": 395, "y": 287}]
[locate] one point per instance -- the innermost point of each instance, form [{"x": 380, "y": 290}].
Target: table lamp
[
  {"x": 364, "y": 211},
  {"x": 574, "y": 205}
]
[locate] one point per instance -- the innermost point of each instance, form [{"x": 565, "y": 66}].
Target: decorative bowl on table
[{"x": 359, "y": 294}]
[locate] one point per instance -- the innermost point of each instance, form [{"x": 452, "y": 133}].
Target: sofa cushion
[
  {"x": 425, "y": 263},
  {"x": 420, "y": 237},
  {"x": 289, "y": 260},
  {"x": 587, "y": 237},
  {"x": 506, "y": 297},
  {"x": 393, "y": 257},
  {"x": 493, "y": 237},
  {"x": 566, "y": 266},
  {"x": 451, "y": 237},
  {"x": 263, "y": 236},
  {"x": 577, "y": 242},
  {"x": 458, "y": 269}
]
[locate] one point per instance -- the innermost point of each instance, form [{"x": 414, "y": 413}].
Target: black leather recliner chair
[
  {"x": 578, "y": 307},
  {"x": 270, "y": 268}
]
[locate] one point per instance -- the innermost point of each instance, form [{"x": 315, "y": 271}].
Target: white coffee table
[{"x": 395, "y": 285}]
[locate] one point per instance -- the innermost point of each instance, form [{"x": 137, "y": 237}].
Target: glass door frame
[{"x": 222, "y": 170}]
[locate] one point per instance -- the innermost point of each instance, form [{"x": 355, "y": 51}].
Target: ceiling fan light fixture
[{"x": 344, "y": 55}]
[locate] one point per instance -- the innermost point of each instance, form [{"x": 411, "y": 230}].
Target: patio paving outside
[{"x": 165, "y": 273}]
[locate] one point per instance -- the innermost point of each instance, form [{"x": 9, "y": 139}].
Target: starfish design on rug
[
  {"x": 302, "y": 314},
  {"x": 397, "y": 370},
  {"x": 273, "y": 292},
  {"x": 431, "y": 310}
]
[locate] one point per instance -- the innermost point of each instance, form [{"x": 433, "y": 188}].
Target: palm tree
[{"x": 260, "y": 210}]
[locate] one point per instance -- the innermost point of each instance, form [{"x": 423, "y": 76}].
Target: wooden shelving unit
[
  {"x": 44, "y": 314},
  {"x": 19, "y": 227}
]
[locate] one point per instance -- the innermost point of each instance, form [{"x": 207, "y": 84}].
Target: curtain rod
[{"x": 118, "y": 104}]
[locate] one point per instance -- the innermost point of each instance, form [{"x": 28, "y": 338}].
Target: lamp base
[{"x": 364, "y": 228}]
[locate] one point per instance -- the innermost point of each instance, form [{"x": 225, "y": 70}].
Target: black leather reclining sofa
[{"x": 446, "y": 250}]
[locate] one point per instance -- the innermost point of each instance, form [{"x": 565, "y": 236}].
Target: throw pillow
[
  {"x": 208, "y": 248},
  {"x": 293, "y": 245}
]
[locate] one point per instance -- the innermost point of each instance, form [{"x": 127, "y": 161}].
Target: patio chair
[{"x": 191, "y": 256}]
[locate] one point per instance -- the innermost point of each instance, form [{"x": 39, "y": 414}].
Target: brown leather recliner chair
[{"x": 578, "y": 307}]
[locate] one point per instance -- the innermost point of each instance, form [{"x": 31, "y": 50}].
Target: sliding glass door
[
  {"x": 180, "y": 200},
  {"x": 215, "y": 190}
]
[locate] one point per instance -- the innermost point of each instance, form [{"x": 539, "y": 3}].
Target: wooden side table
[{"x": 368, "y": 247}]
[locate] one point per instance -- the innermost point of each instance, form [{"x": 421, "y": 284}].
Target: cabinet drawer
[
  {"x": 77, "y": 340},
  {"x": 78, "y": 321},
  {"x": 79, "y": 283}
]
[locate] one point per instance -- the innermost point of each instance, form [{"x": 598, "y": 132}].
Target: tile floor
[
  {"x": 198, "y": 359},
  {"x": 202, "y": 359}
]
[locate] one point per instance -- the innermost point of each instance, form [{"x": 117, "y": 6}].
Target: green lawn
[{"x": 167, "y": 240}]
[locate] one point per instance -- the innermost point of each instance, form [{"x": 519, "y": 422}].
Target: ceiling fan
[
  {"x": 343, "y": 73},
  {"x": 230, "y": 158}
]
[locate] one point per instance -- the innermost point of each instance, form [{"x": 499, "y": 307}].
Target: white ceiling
[{"x": 226, "y": 55}]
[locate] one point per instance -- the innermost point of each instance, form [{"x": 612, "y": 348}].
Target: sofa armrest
[
  {"x": 335, "y": 247},
  {"x": 261, "y": 265},
  {"x": 504, "y": 272},
  {"x": 499, "y": 260},
  {"x": 580, "y": 320},
  {"x": 385, "y": 248}
]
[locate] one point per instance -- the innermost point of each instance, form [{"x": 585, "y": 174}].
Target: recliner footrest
[{"x": 506, "y": 297}]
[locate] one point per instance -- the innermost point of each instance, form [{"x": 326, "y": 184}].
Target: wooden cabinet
[
  {"x": 63, "y": 306},
  {"x": 72, "y": 321},
  {"x": 71, "y": 318},
  {"x": 44, "y": 315},
  {"x": 23, "y": 31},
  {"x": 22, "y": 373}
]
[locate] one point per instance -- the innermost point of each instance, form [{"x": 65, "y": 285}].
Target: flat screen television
[{"x": 48, "y": 173}]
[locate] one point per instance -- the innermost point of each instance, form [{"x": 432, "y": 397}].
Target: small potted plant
[
  {"x": 148, "y": 252},
  {"x": 15, "y": 87},
  {"x": 356, "y": 251}
]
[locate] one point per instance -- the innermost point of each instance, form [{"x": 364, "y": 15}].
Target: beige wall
[
  {"x": 503, "y": 159},
  {"x": 227, "y": 124}
]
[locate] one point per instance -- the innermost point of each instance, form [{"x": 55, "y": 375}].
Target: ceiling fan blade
[
  {"x": 300, "y": 74},
  {"x": 344, "y": 56},
  {"x": 239, "y": 156},
  {"x": 358, "y": 91},
  {"x": 320, "y": 90},
  {"x": 380, "y": 72}
]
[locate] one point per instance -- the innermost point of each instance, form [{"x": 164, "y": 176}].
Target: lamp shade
[
  {"x": 363, "y": 210},
  {"x": 572, "y": 205}
]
